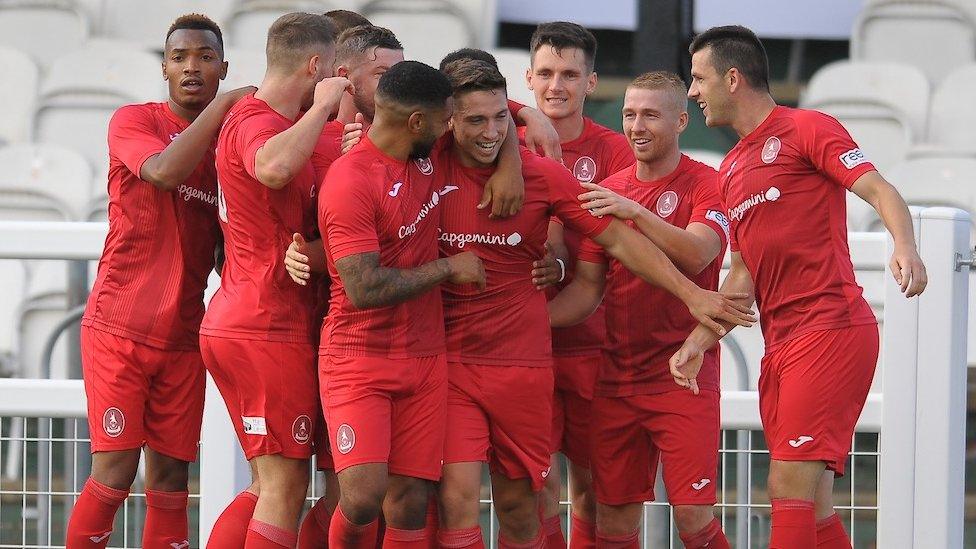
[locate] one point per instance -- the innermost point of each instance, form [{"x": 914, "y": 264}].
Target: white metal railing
[{"x": 915, "y": 426}]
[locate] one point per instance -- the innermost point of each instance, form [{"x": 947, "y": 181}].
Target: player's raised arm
[
  {"x": 285, "y": 154},
  {"x": 906, "y": 265},
  {"x": 505, "y": 189},
  {"x": 641, "y": 257},
  {"x": 579, "y": 298}
]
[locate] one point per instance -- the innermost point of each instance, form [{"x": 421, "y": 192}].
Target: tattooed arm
[{"x": 370, "y": 285}]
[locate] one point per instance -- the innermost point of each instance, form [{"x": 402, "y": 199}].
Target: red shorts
[
  {"x": 323, "y": 450},
  {"x": 270, "y": 391},
  {"x": 812, "y": 390},
  {"x": 630, "y": 435},
  {"x": 385, "y": 410},
  {"x": 500, "y": 415},
  {"x": 140, "y": 395}
]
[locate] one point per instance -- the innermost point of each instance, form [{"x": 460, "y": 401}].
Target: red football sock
[
  {"x": 710, "y": 536},
  {"x": 166, "y": 521},
  {"x": 314, "y": 532},
  {"x": 553, "y": 530},
  {"x": 433, "y": 522},
  {"x": 261, "y": 535},
  {"x": 538, "y": 543},
  {"x": 395, "y": 538},
  {"x": 346, "y": 535},
  {"x": 626, "y": 541},
  {"x": 583, "y": 534},
  {"x": 230, "y": 530},
  {"x": 467, "y": 538},
  {"x": 91, "y": 519},
  {"x": 831, "y": 534},
  {"x": 794, "y": 524}
]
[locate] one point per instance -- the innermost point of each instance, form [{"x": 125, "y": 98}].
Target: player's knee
[
  {"x": 166, "y": 473},
  {"x": 584, "y": 504},
  {"x": 518, "y": 514},
  {"x": 405, "y": 504},
  {"x": 692, "y": 518},
  {"x": 618, "y": 520},
  {"x": 116, "y": 469},
  {"x": 363, "y": 505},
  {"x": 289, "y": 481},
  {"x": 459, "y": 505},
  {"x": 793, "y": 480}
]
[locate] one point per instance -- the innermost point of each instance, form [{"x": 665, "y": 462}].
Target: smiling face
[
  {"x": 480, "y": 124},
  {"x": 710, "y": 89},
  {"x": 193, "y": 67},
  {"x": 560, "y": 80},
  {"x": 652, "y": 121}
]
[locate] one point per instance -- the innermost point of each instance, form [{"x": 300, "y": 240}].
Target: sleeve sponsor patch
[
  {"x": 719, "y": 219},
  {"x": 853, "y": 158}
]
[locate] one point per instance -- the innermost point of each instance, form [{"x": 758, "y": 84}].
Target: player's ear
[
  {"x": 733, "y": 79},
  {"x": 163, "y": 65},
  {"x": 223, "y": 69},
  {"x": 342, "y": 70},
  {"x": 313, "y": 65},
  {"x": 528, "y": 78},
  {"x": 591, "y": 83},
  {"x": 417, "y": 122},
  {"x": 682, "y": 121}
]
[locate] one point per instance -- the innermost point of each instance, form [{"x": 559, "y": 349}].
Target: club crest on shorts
[
  {"x": 771, "y": 149},
  {"x": 345, "y": 439},
  {"x": 424, "y": 165},
  {"x": 667, "y": 203},
  {"x": 113, "y": 422},
  {"x": 301, "y": 429},
  {"x": 585, "y": 169}
]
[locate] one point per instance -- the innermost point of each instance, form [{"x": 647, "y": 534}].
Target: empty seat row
[{"x": 891, "y": 111}]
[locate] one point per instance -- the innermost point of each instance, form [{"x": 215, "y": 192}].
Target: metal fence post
[
  {"x": 940, "y": 427},
  {"x": 899, "y": 349}
]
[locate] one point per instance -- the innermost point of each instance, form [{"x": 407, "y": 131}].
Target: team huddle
[{"x": 420, "y": 276}]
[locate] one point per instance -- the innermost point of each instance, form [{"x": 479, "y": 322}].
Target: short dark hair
[
  {"x": 469, "y": 53},
  {"x": 293, "y": 33},
  {"x": 356, "y": 41},
  {"x": 469, "y": 75},
  {"x": 413, "y": 84},
  {"x": 736, "y": 46},
  {"x": 197, "y": 21},
  {"x": 563, "y": 34},
  {"x": 345, "y": 19}
]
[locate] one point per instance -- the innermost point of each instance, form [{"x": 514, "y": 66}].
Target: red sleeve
[
  {"x": 327, "y": 150},
  {"x": 133, "y": 137},
  {"x": 252, "y": 133},
  {"x": 830, "y": 148},
  {"x": 347, "y": 210},
  {"x": 513, "y": 108},
  {"x": 621, "y": 155},
  {"x": 591, "y": 252},
  {"x": 707, "y": 207},
  {"x": 563, "y": 193}
]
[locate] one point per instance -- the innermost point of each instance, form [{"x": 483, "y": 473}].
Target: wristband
[{"x": 562, "y": 269}]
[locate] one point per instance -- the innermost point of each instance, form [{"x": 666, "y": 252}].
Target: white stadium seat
[
  {"x": 17, "y": 95},
  {"x": 513, "y": 64},
  {"x": 42, "y": 308},
  {"x": 482, "y": 16},
  {"x": 934, "y": 36},
  {"x": 146, "y": 21},
  {"x": 97, "y": 209},
  {"x": 248, "y": 23},
  {"x": 937, "y": 181},
  {"x": 245, "y": 68},
  {"x": 43, "y": 183},
  {"x": 44, "y": 29},
  {"x": 952, "y": 120},
  {"x": 84, "y": 88},
  {"x": 428, "y": 29},
  {"x": 883, "y": 105}
]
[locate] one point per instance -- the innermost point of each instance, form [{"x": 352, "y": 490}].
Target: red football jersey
[
  {"x": 160, "y": 245},
  {"x": 257, "y": 299},
  {"x": 597, "y": 153},
  {"x": 507, "y": 324},
  {"x": 374, "y": 203},
  {"x": 784, "y": 188},
  {"x": 645, "y": 323}
]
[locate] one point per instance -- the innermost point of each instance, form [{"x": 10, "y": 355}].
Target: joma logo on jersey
[{"x": 771, "y": 194}]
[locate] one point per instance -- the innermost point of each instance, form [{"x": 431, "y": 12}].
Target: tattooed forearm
[{"x": 370, "y": 285}]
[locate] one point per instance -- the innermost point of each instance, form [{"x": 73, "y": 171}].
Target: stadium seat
[
  {"x": 710, "y": 158},
  {"x": 428, "y": 29},
  {"x": 883, "y": 105},
  {"x": 952, "y": 120},
  {"x": 249, "y": 20},
  {"x": 17, "y": 96},
  {"x": 936, "y": 36},
  {"x": 84, "y": 88},
  {"x": 245, "y": 68},
  {"x": 146, "y": 21},
  {"x": 937, "y": 181},
  {"x": 43, "y": 307},
  {"x": 13, "y": 278},
  {"x": 98, "y": 204},
  {"x": 65, "y": 28},
  {"x": 43, "y": 183},
  {"x": 482, "y": 16},
  {"x": 513, "y": 64}
]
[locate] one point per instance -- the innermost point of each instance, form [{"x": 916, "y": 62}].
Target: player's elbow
[
  {"x": 273, "y": 175},
  {"x": 697, "y": 263},
  {"x": 162, "y": 178}
]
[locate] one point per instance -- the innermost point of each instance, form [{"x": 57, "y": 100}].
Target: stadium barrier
[{"x": 905, "y": 483}]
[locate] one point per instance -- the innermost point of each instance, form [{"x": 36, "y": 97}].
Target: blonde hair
[{"x": 667, "y": 81}]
